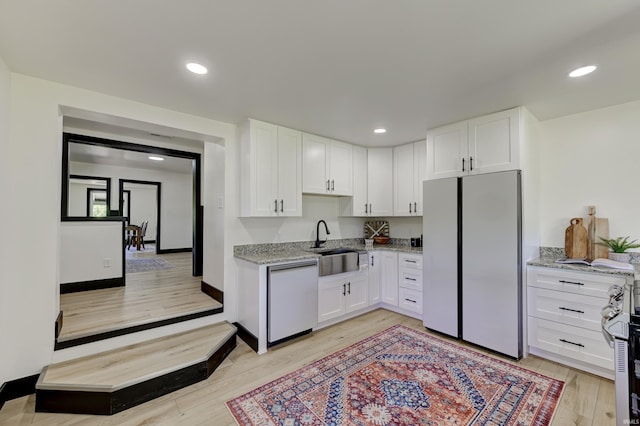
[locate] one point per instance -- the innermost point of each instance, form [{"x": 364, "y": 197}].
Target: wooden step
[{"x": 112, "y": 381}]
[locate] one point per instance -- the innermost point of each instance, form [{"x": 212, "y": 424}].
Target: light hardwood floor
[
  {"x": 587, "y": 400},
  {"x": 147, "y": 297}
]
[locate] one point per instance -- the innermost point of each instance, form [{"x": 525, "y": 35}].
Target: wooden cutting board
[
  {"x": 597, "y": 227},
  {"x": 575, "y": 239}
]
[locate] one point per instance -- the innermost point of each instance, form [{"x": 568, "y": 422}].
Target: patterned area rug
[
  {"x": 145, "y": 264},
  {"x": 402, "y": 377}
]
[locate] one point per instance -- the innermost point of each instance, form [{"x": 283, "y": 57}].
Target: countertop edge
[{"x": 550, "y": 263}]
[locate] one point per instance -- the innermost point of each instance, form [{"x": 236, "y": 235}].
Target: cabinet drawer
[
  {"x": 566, "y": 308},
  {"x": 411, "y": 279},
  {"x": 572, "y": 282},
  {"x": 410, "y": 260},
  {"x": 572, "y": 342},
  {"x": 410, "y": 299}
]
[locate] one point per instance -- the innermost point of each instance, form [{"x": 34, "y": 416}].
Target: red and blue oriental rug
[{"x": 401, "y": 376}]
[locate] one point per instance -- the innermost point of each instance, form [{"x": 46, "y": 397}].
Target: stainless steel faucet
[{"x": 319, "y": 243}]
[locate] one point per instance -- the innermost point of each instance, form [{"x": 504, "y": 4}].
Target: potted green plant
[{"x": 618, "y": 247}]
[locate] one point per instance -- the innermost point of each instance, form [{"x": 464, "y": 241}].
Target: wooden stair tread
[{"x": 123, "y": 367}]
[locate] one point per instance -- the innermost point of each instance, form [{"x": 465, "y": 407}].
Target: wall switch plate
[{"x": 107, "y": 262}]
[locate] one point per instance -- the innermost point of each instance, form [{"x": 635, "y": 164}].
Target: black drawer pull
[
  {"x": 409, "y": 300},
  {"x": 572, "y": 310},
  {"x": 571, "y": 343},
  {"x": 410, "y": 261},
  {"x": 410, "y": 279},
  {"x": 571, "y": 282}
]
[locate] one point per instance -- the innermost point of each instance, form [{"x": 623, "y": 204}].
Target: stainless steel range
[{"x": 621, "y": 329}]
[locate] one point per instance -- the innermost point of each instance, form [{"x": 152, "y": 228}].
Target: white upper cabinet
[
  {"x": 270, "y": 170},
  {"x": 372, "y": 183},
  {"x": 409, "y": 170},
  {"x": 326, "y": 166},
  {"x": 481, "y": 145},
  {"x": 380, "y": 181}
]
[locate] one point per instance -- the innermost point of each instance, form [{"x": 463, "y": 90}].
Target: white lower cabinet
[
  {"x": 563, "y": 314},
  {"x": 341, "y": 294},
  {"x": 375, "y": 277},
  {"x": 389, "y": 274}
]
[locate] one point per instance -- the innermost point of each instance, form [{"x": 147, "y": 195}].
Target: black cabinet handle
[
  {"x": 410, "y": 208},
  {"x": 372, "y": 260},
  {"x": 410, "y": 261},
  {"x": 344, "y": 289},
  {"x": 471, "y": 164},
  {"x": 410, "y": 279},
  {"x": 409, "y": 300},
  {"x": 332, "y": 187},
  {"x": 327, "y": 185},
  {"x": 415, "y": 207},
  {"x": 571, "y": 343},
  {"x": 275, "y": 204},
  {"x": 281, "y": 206},
  {"x": 463, "y": 164},
  {"x": 370, "y": 209},
  {"x": 366, "y": 208},
  {"x": 571, "y": 282},
  {"x": 349, "y": 288},
  {"x": 569, "y": 309}
]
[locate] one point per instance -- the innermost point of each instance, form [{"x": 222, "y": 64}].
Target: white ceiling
[{"x": 338, "y": 68}]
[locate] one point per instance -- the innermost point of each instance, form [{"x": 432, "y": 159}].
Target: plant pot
[{"x": 620, "y": 257}]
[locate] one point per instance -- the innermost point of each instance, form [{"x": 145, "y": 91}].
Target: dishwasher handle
[{"x": 293, "y": 265}]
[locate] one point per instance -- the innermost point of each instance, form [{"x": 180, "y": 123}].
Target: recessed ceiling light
[
  {"x": 380, "y": 131},
  {"x": 156, "y": 158},
  {"x": 582, "y": 71},
  {"x": 196, "y": 68}
]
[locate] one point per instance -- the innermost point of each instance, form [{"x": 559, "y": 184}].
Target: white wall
[
  {"x": 5, "y": 194},
  {"x": 592, "y": 158},
  {"x": 30, "y": 283},
  {"x": 176, "y": 219},
  {"x": 84, "y": 246}
]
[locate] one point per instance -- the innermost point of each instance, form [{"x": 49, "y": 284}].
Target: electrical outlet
[{"x": 107, "y": 262}]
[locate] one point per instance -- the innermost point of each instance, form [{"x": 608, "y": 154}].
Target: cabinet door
[
  {"x": 389, "y": 278},
  {"x": 357, "y": 293},
  {"x": 494, "y": 142},
  {"x": 375, "y": 277},
  {"x": 331, "y": 298},
  {"x": 403, "y": 191},
  {"x": 380, "y": 185},
  {"x": 447, "y": 147},
  {"x": 289, "y": 172},
  {"x": 264, "y": 159},
  {"x": 314, "y": 161},
  {"x": 359, "y": 200},
  {"x": 419, "y": 174},
  {"x": 339, "y": 168}
]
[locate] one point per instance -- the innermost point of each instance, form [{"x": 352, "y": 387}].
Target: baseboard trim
[
  {"x": 58, "y": 324},
  {"x": 108, "y": 403},
  {"x": 128, "y": 330},
  {"x": 66, "y": 288},
  {"x": 176, "y": 250},
  {"x": 247, "y": 336},
  {"x": 212, "y": 292},
  {"x": 18, "y": 388}
]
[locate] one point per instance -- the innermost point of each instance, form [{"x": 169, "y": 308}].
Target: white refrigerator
[{"x": 472, "y": 232}]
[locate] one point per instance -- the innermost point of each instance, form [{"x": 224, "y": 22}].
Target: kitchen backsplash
[{"x": 558, "y": 252}]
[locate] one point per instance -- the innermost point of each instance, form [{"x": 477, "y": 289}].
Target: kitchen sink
[{"x": 337, "y": 260}]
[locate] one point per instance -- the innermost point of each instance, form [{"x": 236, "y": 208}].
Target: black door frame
[
  {"x": 197, "y": 209},
  {"x": 158, "y": 185}
]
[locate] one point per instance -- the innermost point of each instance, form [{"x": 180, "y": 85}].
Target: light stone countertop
[
  {"x": 266, "y": 254},
  {"x": 550, "y": 262}
]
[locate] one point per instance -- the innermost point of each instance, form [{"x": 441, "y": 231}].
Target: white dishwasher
[{"x": 292, "y": 300}]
